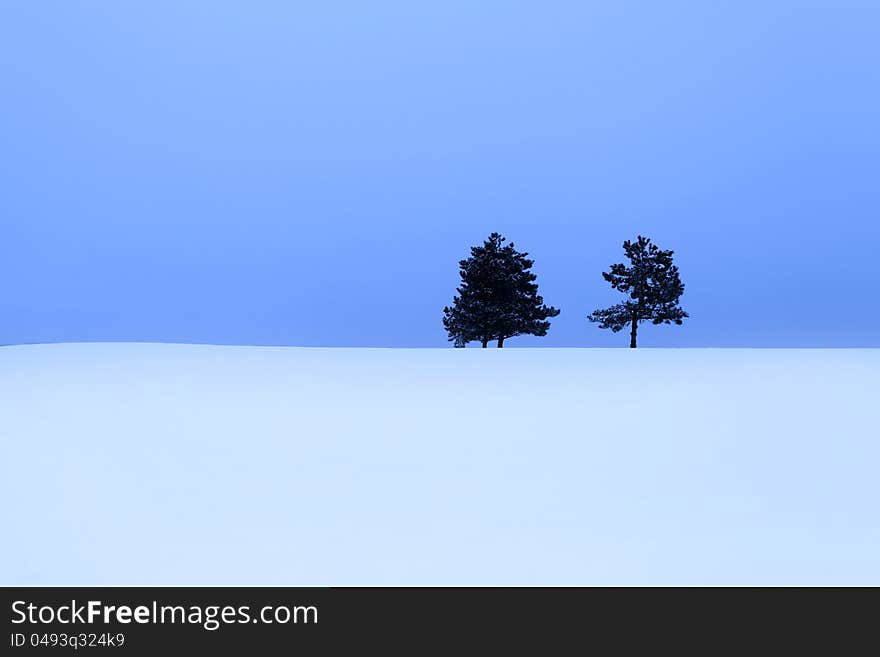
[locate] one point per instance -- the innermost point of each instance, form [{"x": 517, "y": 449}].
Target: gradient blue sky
[{"x": 310, "y": 174}]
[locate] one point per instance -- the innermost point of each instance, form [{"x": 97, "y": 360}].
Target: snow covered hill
[{"x": 178, "y": 464}]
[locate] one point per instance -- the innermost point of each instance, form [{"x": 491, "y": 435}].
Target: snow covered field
[{"x": 176, "y": 464}]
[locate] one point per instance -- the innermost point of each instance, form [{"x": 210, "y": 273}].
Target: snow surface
[{"x": 180, "y": 464}]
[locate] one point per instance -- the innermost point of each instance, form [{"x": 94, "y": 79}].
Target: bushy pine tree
[
  {"x": 652, "y": 284},
  {"x": 498, "y": 297}
]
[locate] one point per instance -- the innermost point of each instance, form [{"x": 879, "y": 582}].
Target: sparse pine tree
[
  {"x": 498, "y": 297},
  {"x": 652, "y": 284}
]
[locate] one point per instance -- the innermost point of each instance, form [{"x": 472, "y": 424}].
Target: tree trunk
[
  {"x": 500, "y": 342},
  {"x": 485, "y": 343},
  {"x": 632, "y": 333}
]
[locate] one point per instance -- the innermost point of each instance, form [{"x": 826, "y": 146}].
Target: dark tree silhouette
[
  {"x": 498, "y": 297},
  {"x": 653, "y": 286}
]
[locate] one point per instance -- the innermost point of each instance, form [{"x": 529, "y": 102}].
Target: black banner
[{"x": 181, "y": 620}]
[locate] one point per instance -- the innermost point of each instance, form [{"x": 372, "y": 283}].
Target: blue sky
[{"x": 276, "y": 173}]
